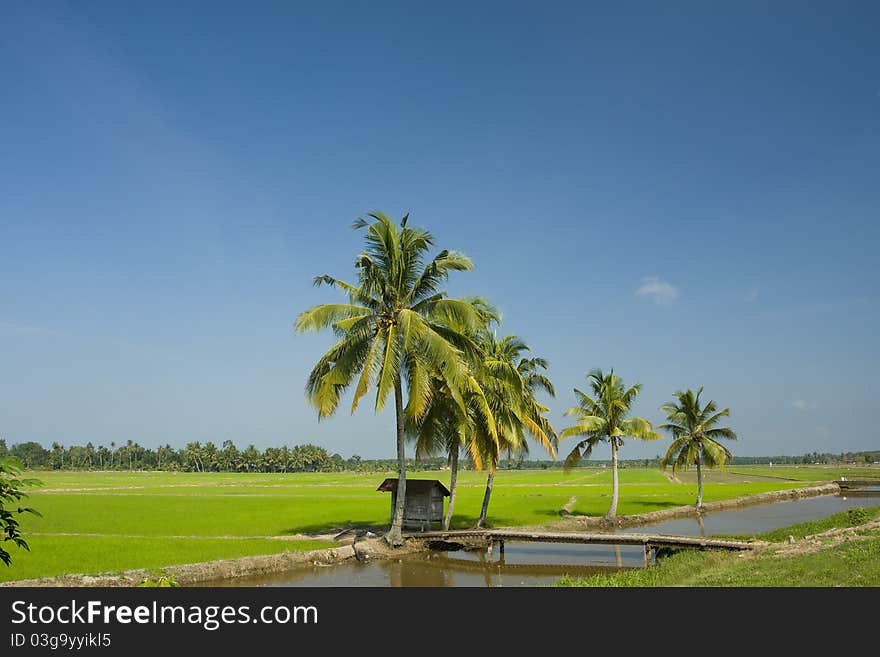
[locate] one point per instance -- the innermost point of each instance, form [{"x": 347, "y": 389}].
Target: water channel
[{"x": 541, "y": 564}]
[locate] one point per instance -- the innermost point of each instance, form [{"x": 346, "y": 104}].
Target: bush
[
  {"x": 10, "y": 507},
  {"x": 165, "y": 581},
  {"x": 858, "y": 516}
]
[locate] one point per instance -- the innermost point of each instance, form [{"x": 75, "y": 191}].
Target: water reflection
[{"x": 523, "y": 564}]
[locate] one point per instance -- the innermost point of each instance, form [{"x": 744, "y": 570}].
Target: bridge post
[
  {"x": 650, "y": 555},
  {"x": 489, "y": 549}
]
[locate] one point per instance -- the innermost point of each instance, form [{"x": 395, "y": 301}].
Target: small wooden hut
[{"x": 424, "y": 501}]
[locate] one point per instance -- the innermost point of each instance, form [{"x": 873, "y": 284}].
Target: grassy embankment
[
  {"x": 110, "y": 521},
  {"x": 820, "y": 561}
]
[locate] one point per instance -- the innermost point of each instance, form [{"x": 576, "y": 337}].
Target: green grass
[
  {"x": 852, "y": 563},
  {"x": 170, "y": 518},
  {"x": 810, "y": 473},
  {"x": 60, "y": 555}
]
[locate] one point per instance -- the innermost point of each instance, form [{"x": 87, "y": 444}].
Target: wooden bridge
[{"x": 650, "y": 542}]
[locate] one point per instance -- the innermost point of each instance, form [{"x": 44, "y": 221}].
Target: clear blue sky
[{"x": 172, "y": 176}]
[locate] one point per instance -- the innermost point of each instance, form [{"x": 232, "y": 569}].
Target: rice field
[{"x": 111, "y": 521}]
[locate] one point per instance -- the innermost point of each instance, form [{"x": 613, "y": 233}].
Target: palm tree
[
  {"x": 167, "y": 451},
  {"x": 602, "y": 418},
  {"x": 694, "y": 435},
  {"x": 193, "y": 455},
  {"x": 510, "y": 381},
  {"x": 58, "y": 450},
  {"x": 398, "y": 325},
  {"x": 447, "y": 426}
]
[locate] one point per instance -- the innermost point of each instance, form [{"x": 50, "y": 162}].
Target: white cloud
[
  {"x": 660, "y": 291},
  {"x": 803, "y": 405},
  {"x": 752, "y": 296}
]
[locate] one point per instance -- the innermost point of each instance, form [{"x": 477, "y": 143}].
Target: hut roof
[{"x": 414, "y": 486}]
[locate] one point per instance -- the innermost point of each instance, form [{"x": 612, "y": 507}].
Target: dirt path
[
  {"x": 827, "y": 539},
  {"x": 579, "y": 523},
  {"x": 568, "y": 507}
]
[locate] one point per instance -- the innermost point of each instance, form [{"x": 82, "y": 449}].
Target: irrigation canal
[{"x": 542, "y": 563}]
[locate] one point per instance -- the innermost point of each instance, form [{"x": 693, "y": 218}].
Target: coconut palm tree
[
  {"x": 603, "y": 418},
  {"x": 398, "y": 325},
  {"x": 510, "y": 381},
  {"x": 443, "y": 429},
  {"x": 695, "y": 435},
  {"x": 447, "y": 426}
]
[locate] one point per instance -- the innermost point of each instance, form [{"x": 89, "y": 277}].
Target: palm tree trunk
[
  {"x": 699, "y": 478},
  {"x": 395, "y": 533},
  {"x": 453, "y": 480},
  {"x": 615, "y": 488},
  {"x": 481, "y": 521}
]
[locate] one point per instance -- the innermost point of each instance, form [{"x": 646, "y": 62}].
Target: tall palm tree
[
  {"x": 510, "y": 381},
  {"x": 603, "y": 418},
  {"x": 398, "y": 325},
  {"x": 447, "y": 426},
  {"x": 695, "y": 435}
]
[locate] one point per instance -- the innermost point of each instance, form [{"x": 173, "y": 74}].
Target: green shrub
[
  {"x": 858, "y": 516},
  {"x": 165, "y": 581}
]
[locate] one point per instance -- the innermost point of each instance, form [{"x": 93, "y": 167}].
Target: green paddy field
[{"x": 95, "y": 522}]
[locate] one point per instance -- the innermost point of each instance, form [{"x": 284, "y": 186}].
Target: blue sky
[{"x": 687, "y": 193}]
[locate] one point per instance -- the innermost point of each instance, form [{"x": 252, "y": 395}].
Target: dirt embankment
[
  {"x": 636, "y": 520},
  {"x": 377, "y": 548},
  {"x": 367, "y": 549},
  {"x": 825, "y": 540}
]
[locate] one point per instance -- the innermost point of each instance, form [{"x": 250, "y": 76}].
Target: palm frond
[
  {"x": 369, "y": 369},
  {"x": 389, "y": 371},
  {"x": 639, "y": 427},
  {"x": 325, "y": 315},
  {"x": 419, "y": 386},
  {"x": 586, "y": 424},
  {"x": 715, "y": 454},
  {"x": 672, "y": 453},
  {"x": 721, "y": 432}
]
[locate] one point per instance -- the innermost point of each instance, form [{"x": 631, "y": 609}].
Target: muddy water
[
  {"x": 524, "y": 564},
  {"x": 762, "y": 517},
  {"x": 541, "y": 564}
]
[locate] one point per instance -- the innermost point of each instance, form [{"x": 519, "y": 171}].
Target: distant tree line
[
  {"x": 193, "y": 457},
  {"x": 208, "y": 457},
  {"x": 811, "y": 458}
]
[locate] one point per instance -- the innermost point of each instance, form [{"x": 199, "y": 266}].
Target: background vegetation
[{"x": 196, "y": 456}]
